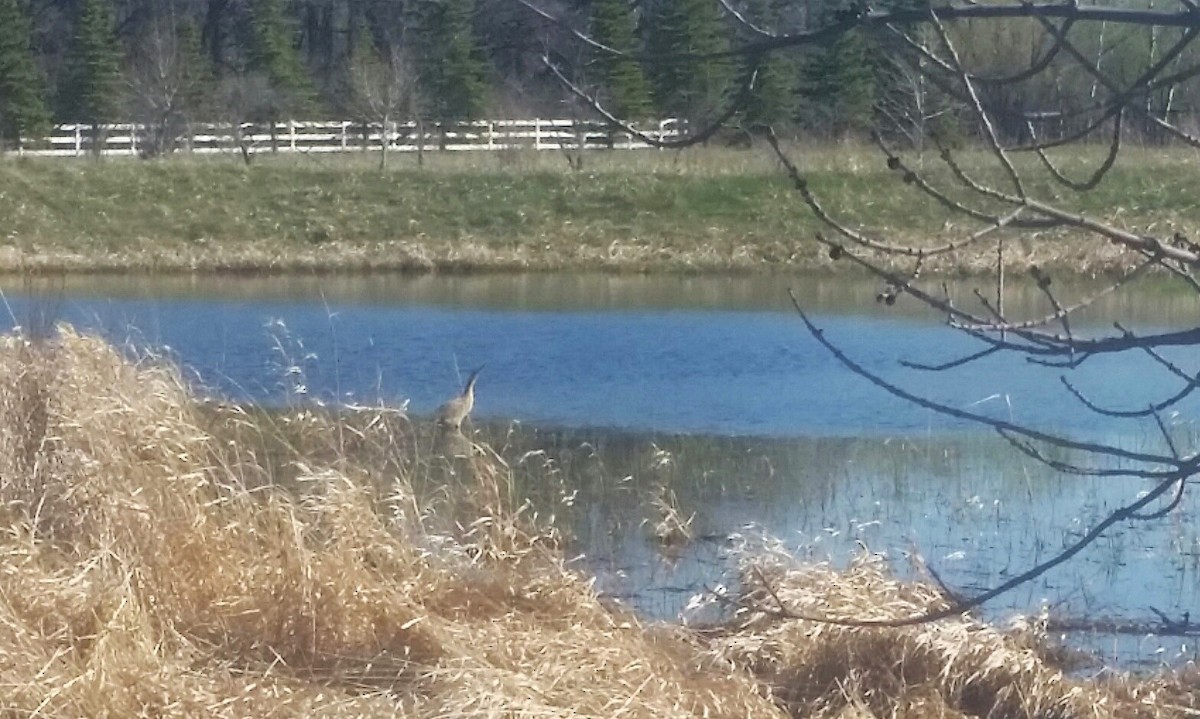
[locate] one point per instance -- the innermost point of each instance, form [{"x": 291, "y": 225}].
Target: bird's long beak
[{"x": 473, "y": 376}]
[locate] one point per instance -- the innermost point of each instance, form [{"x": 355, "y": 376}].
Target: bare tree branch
[
  {"x": 956, "y": 413},
  {"x": 1189, "y": 387},
  {"x": 984, "y": 119},
  {"x": 693, "y": 138},
  {"x": 880, "y": 19},
  {"x": 1109, "y": 160},
  {"x": 1127, "y": 512}
]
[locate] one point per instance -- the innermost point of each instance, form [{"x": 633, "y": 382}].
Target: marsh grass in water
[
  {"x": 705, "y": 209},
  {"x": 165, "y": 558},
  {"x": 661, "y": 518}
]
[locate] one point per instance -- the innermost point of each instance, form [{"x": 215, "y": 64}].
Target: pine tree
[
  {"x": 198, "y": 81},
  {"x": 273, "y": 54},
  {"x": 364, "y": 69},
  {"x": 772, "y": 102},
  {"x": 837, "y": 85},
  {"x": 22, "y": 111},
  {"x": 451, "y": 66},
  {"x": 90, "y": 91},
  {"x": 686, "y": 86},
  {"x": 626, "y": 91},
  {"x": 856, "y": 82}
]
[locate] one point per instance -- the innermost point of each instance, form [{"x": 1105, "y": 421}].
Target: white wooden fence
[{"x": 347, "y": 136}]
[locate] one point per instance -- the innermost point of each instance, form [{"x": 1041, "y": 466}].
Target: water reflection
[{"x": 1158, "y": 303}]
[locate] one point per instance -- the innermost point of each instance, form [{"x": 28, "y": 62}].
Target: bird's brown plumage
[{"x": 454, "y": 412}]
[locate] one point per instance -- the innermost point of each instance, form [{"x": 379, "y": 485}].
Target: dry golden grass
[
  {"x": 161, "y": 558},
  {"x": 150, "y": 568},
  {"x": 953, "y": 668}
]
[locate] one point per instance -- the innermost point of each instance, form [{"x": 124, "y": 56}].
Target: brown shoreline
[{"x": 1071, "y": 255}]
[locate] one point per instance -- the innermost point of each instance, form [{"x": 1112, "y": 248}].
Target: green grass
[{"x": 704, "y": 209}]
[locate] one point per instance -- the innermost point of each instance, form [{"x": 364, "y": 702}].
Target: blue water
[{"x": 711, "y": 371}]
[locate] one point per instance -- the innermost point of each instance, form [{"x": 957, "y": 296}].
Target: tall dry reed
[
  {"x": 152, "y": 564},
  {"x": 958, "y": 667}
]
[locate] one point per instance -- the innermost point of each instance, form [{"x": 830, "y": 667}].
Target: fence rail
[{"x": 342, "y": 136}]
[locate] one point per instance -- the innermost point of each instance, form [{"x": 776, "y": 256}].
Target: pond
[{"x": 713, "y": 387}]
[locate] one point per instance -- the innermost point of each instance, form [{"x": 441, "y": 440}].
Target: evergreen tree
[
  {"x": 197, "y": 79},
  {"x": 90, "y": 91},
  {"x": 686, "y": 86},
  {"x": 273, "y": 55},
  {"x": 22, "y": 112},
  {"x": 624, "y": 83},
  {"x": 364, "y": 69},
  {"x": 772, "y": 102},
  {"x": 837, "y": 85},
  {"x": 452, "y": 71}
]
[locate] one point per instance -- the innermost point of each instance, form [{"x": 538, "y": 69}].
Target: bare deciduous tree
[
  {"x": 383, "y": 89},
  {"x": 1006, "y": 187},
  {"x": 910, "y": 107},
  {"x": 170, "y": 84},
  {"x": 243, "y": 97}
]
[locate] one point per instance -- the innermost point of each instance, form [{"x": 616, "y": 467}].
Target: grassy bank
[
  {"x": 158, "y": 559},
  {"x": 707, "y": 209}
]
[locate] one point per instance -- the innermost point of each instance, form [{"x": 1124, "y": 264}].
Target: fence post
[{"x": 501, "y": 134}]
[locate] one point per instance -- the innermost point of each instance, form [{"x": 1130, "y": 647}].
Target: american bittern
[{"x": 452, "y": 414}]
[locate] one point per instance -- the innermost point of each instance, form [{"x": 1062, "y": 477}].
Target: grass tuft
[{"x": 957, "y": 667}]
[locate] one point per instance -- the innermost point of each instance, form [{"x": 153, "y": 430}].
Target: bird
[{"x": 452, "y": 414}]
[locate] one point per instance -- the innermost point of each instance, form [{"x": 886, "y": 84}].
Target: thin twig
[{"x": 956, "y": 413}]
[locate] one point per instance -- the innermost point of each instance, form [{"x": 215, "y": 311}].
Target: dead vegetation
[{"x": 160, "y": 558}]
